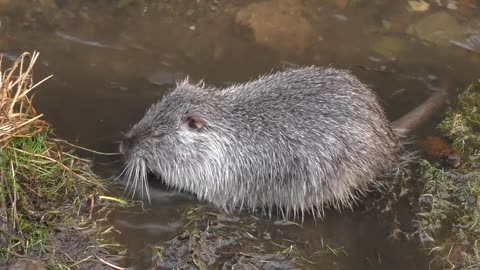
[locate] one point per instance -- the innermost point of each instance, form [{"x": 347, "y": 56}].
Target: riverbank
[{"x": 51, "y": 203}]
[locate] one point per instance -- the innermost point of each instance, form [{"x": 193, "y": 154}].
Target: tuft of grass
[
  {"x": 449, "y": 216},
  {"x": 462, "y": 124},
  {"x": 44, "y": 187}
]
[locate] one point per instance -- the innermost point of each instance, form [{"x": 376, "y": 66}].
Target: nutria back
[{"x": 297, "y": 140}]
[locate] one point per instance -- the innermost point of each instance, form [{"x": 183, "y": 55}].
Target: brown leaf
[{"x": 438, "y": 149}]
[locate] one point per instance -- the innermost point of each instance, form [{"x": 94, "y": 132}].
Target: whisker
[{"x": 145, "y": 182}]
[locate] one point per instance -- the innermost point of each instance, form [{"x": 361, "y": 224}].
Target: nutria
[{"x": 298, "y": 140}]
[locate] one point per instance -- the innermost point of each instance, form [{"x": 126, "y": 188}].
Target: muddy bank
[{"x": 50, "y": 200}]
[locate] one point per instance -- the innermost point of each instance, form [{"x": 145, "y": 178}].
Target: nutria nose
[{"x": 127, "y": 144}]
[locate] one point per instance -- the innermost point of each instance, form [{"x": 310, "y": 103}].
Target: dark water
[{"x": 105, "y": 55}]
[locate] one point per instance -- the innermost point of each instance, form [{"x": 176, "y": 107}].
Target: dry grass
[{"x": 18, "y": 117}]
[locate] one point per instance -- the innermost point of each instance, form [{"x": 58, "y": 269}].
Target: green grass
[
  {"x": 451, "y": 220},
  {"x": 41, "y": 187},
  {"x": 462, "y": 125}
]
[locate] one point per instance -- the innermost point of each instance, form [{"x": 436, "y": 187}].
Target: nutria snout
[{"x": 126, "y": 144}]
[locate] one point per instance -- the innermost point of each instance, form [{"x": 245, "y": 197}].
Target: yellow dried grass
[{"x": 18, "y": 117}]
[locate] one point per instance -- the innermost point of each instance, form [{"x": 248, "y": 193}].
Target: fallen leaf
[{"x": 438, "y": 149}]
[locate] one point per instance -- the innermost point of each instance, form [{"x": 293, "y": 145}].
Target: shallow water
[{"x": 112, "y": 59}]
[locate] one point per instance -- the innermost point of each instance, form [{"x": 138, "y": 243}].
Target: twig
[
  {"x": 110, "y": 264},
  {"x": 85, "y": 149}
]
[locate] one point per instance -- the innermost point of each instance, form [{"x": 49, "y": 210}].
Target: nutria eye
[{"x": 195, "y": 122}]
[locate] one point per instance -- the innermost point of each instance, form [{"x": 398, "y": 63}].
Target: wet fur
[{"x": 297, "y": 141}]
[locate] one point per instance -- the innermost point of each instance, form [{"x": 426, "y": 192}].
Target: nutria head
[{"x": 173, "y": 140}]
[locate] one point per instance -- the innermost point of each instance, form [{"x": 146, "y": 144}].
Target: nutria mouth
[{"x": 157, "y": 181}]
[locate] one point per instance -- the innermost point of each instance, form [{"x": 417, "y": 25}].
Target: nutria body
[{"x": 297, "y": 140}]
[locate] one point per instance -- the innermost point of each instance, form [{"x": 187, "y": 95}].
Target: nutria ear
[{"x": 195, "y": 122}]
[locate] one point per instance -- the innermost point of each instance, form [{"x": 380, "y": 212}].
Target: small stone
[
  {"x": 278, "y": 24},
  {"x": 390, "y": 47},
  {"x": 47, "y": 4},
  {"x": 439, "y": 28},
  {"x": 419, "y": 6},
  {"x": 387, "y": 24},
  {"x": 374, "y": 59},
  {"x": 189, "y": 12},
  {"x": 341, "y": 17},
  {"x": 452, "y": 5}
]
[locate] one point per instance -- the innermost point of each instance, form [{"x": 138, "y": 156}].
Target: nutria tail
[{"x": 405, "y": 124}]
